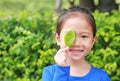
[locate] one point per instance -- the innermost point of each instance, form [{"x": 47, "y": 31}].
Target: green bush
[
  {"x": 27, "y": 45},
  {"x": 105, "y": 53},
  {"x": 26, "y": 42}
]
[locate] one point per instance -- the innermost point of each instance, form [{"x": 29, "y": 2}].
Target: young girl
[{"x": 70, "y": 61}]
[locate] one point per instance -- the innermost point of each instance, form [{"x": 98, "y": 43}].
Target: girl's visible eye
[{"x": 84, "y": 36}]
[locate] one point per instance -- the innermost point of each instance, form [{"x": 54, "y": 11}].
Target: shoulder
[
  {"x": 100, "y": 71},
  {"x": 54, "y": 67},
  {"x": 50, "y": 68},
  {"x": 101, "y": 74},
  {"x": 48, "y": 71}
]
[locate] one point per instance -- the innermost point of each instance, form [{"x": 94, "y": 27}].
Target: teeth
[{"x": 76, "y": 50}]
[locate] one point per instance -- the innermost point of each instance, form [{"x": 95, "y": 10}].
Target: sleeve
[{"x": 58, "y": 73}]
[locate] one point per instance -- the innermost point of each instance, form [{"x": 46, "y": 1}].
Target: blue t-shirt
[{"x": 59, "y": 73}]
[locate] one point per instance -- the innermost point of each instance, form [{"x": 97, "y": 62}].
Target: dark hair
[{"x": 75, "y": 10}]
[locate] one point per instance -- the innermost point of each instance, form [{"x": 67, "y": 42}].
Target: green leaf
[{"x": 69, "y": 38}]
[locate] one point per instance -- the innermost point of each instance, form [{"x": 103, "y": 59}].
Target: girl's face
[{"x": 84, "y": 37}]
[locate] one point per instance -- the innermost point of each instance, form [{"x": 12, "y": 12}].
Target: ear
[
  {"x": 57, "y": 38},
  {"x": 94, "y": 40}
]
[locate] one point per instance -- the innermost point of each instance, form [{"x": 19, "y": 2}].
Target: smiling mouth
[{"x": 76, "y": 51}]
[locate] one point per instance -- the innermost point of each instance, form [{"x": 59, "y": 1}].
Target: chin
[{"x": 76, "y": 58}]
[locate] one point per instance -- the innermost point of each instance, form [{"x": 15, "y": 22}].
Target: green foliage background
[{"x": 27, "y": 42}]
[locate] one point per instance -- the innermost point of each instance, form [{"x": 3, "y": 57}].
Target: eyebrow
[{"x": 85, "y": 33}]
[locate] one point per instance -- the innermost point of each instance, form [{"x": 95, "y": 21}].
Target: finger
[
  {"x": 62, "y": 50},
  {"x": 66, "y": 51}
]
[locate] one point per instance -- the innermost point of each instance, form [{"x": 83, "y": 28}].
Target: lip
[{"x": 75, "y": 51}]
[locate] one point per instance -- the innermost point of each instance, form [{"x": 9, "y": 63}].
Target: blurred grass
[
  {"x": 8, "y": 7},
  {"x": 14, "y": 7}
]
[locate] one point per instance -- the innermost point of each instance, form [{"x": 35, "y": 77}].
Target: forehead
[{"x": 77, "y": 23}]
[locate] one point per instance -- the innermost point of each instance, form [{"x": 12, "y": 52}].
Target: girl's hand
[{"x": 61, "y": 57}]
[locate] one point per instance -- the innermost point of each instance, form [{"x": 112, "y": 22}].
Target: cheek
[
  {"x": 88, "y": 44},
  {"x": 62, "y": 44}
]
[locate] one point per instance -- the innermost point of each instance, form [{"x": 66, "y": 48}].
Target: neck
[
  {"x": 79, "y": 63},
  {"x": 79, "y": 68}
]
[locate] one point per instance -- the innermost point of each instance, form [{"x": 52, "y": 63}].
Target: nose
[{"x": 77, "y": 42}]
